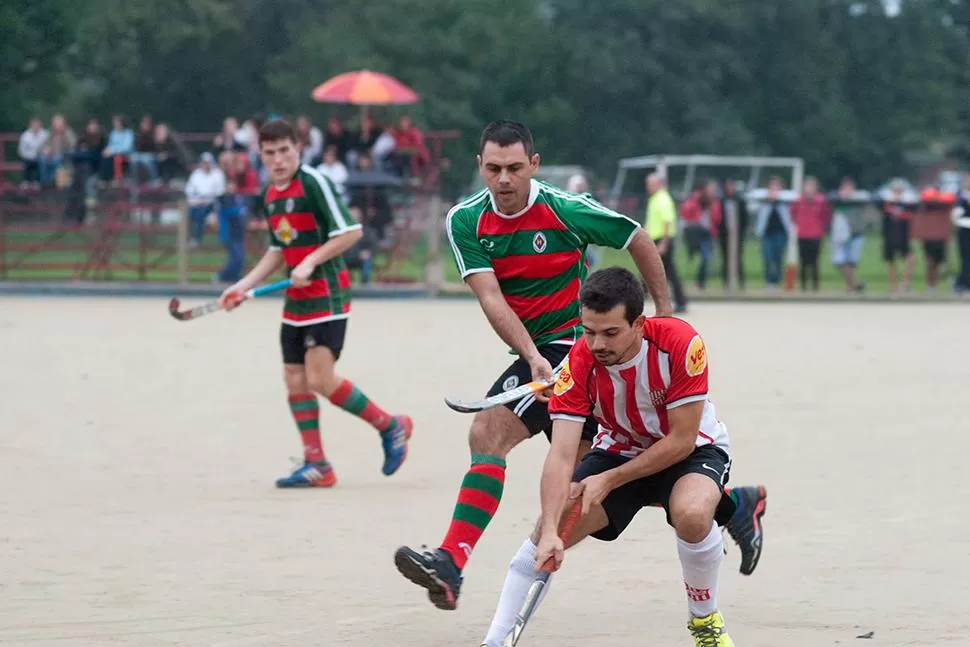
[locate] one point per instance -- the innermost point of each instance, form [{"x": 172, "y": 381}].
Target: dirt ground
[{"x": 138, "y": 454}]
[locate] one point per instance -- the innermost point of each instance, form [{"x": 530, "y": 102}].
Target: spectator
[
  {"x": 121, "y": 143},
  {"x": 961, "y": 218},
  {"x": 734, "y": 209},
  {"x": 811, "y": 215},
  {"x": 58, "y": 147},
  {"x": 701, "y": 213},
  {"x": 312, "y": 140},
  {"x": 334, "y": 169},
  {"x": 230, "y": 139},
  {"x": 773, "y": 227},
  {"x": 372, "y": 200},
  {"x": 337, "y": 136},
  {"x": 145, "y": 151},
  {"x": 848, "y": 232},
  {"x": 232, "y": 229},
  {"x": 205, "y": 185},
  {"x": 895, "y": 237},
  {"x": 360, "y": 256},
  {"x": 88, "y": 154},
  {"x": 166, "y": 153},
  {"x": 661, "y": 226},
  {"x": 934, "y": 227},
  {"x": 410, "y": 153},
  {"x": 30, "y": 148},
  {"x": 382, "y": 151},
  {"x": 364, "y": 140}
]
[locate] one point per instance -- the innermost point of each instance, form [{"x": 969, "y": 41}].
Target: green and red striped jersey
[
  {"x": 304, "y": 214},
  {"x": 539, "y": 254}
]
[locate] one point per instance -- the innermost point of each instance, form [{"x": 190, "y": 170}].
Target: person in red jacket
[
  {"x": 811, "y": 215},
  {"x": 701, "y": 213}
]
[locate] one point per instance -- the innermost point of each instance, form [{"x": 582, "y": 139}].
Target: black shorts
[
  {"x": 296, "y": 340},
  {"x": 895, "y": 239},
  {"x": 535, "y": 414},
  {"x": 935, "y": 250},
  {"x": 623, "y": 503}
]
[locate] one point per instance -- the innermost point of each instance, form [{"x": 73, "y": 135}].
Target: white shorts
[{"x": 848, "y": 252}]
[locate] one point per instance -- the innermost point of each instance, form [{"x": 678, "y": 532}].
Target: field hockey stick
[
  {"x": 532, "y": 597},
  {"x": 512, "y": 395},
  {"x": 213, "y": 306}
]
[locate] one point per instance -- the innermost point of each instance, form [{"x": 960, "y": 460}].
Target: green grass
[{"x": 161, "y": 260}]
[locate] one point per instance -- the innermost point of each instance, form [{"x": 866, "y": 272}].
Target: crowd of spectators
[{"x": 778, "y": 219}]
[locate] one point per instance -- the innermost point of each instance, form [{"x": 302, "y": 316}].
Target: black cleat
[
  {"x": 433, "y": 570},
  {"x": 745, "y": 525}
]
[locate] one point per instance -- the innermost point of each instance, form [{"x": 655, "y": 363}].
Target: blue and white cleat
[
  {"x": 395, "y": 444},
  {"x": 318, "y": 474}
]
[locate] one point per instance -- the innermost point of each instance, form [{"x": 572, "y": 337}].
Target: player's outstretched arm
[
  {"x": 505, "y": 322},
  {"x": 269, "y": 263},
  {"x": 555, "y": 484},
  {"x": 647, "y": 258}
]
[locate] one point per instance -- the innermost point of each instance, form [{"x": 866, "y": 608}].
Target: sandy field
[{"x": 138, "y": 454}]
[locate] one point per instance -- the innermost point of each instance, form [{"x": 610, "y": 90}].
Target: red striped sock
[
  {"x": 349, "y": 398},
  {"x": 478, "y": 500},
  {"x": 306, "y": 414}
]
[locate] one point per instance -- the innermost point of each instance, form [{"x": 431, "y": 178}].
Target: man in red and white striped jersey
[{"x": 645, "y": 380}]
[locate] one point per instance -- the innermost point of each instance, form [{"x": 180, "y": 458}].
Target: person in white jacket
[
  {"x": 29, "y": 148},
  {"x": 206, "y": 184}
]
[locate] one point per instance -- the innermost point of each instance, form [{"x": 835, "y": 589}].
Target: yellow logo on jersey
[
  {"x": 285, "y": 232},
  {"x": 565, "y": 381},
  {"x": 696, "y": 360}
]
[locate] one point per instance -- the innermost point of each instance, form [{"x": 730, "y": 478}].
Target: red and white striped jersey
[{"x": 631, "y": 400}]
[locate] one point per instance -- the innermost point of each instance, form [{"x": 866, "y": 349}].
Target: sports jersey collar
[
  {"x": 533, "y": 194},
  {"x": 284, "y": 187},
  {"x": 616, "y": 368}
]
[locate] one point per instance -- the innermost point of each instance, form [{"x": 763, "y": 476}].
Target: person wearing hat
[{"x": 206, "y": 184}]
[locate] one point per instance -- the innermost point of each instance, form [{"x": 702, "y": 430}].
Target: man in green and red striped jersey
[
  {"x": 520, "y": 244},
  {"x": 311, "y": 229}
]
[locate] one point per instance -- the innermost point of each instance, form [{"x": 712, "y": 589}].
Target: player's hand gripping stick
[
  {"x": 213, "y": 306},
  {"x": 532, "y": 597}
]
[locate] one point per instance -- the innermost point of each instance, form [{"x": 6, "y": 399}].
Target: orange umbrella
[{"x": 364, "y": 88}]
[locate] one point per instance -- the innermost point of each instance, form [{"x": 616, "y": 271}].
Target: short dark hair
[
  {"x": 277, "y": 129},
  {"x": 607, "y": 288},
  {"x": 506, "y": 133}
]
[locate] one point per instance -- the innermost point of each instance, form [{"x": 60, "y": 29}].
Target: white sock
[
  {"x": 522, "y": 572},
  {"x": 701, "y": 563}
]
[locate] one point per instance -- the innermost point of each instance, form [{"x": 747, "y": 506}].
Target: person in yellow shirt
[{"x": 661, "y": 226}]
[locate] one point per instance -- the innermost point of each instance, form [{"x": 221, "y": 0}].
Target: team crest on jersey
[
  {"x": 487, "y": 244},
  {"x": 539, "y": 242},
  {"x": 284, "y": 231},
  {"x": 696, "y": 360},
  {"x": 565, "y": 381},
  {"x": 510, "y": 382},
  {"x": 289, "y": 205}
]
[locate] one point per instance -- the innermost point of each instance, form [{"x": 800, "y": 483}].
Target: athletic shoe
[
  {"x": 745, "y": 525},
  {"x": 318, "y": 474},
  {"x": 709, "y": 631},
  {"x": 395, "y": 443},
  {"x": 433, "y": 570}
]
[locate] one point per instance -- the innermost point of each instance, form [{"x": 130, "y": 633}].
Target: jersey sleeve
[
  {"x": 688, "y": 368},
  {"x": 571, "y": 398},
  {"x": 469, "y": 255},
  {"x": 329, "y": 210},
  {"x": 592, "y": 222}
]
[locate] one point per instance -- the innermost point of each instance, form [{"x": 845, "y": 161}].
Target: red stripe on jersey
[
  {"x": 535, "y": 266},
  {"x": 293, "y": 190},
  {"x": 343, "y": 279},
  {"x": 606, "y": 397},
  {"x": 629, "y": 376},
  {"x": 300, "y": 221},
  {"x": 293, "y": 255},
  {"x": 316, "y": 289},
  {"x": 572, "y": 323},
  {"x": 346, "y": 308},
  {"x": 293, "y": 316},
  {"x": 527, "y": 308},
  {"x": 655, "y": 382},
  {"x": 539, "y": 217}
]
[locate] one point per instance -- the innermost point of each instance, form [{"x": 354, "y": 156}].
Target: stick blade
[{"x": 173, "y": 309}]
